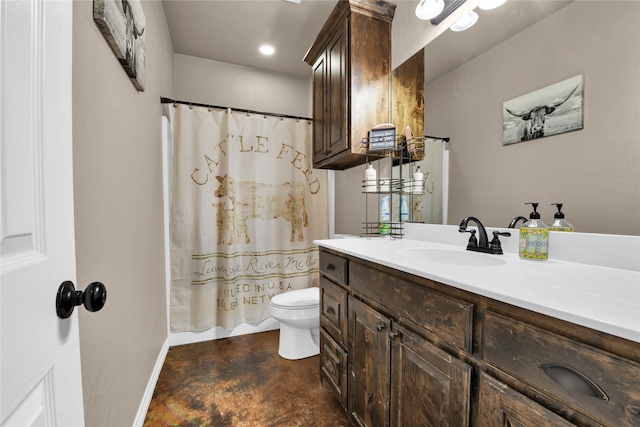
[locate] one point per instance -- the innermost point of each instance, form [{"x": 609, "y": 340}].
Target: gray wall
[
  {"x": 218, "y": 83},
  {"x": 118, "y": 213},
  {"x": 595, "y": 172}
]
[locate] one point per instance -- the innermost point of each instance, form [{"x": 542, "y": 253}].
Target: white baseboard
[{"x": 148, "y": 394}]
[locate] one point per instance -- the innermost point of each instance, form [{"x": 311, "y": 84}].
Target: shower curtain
[
  {"x": 435, "y": 182},
  {"x": 246, "y": 206}
]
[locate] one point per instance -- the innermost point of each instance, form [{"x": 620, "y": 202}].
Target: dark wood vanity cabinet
[
  {"x": 394, "y": 376},
  {"x": 401, "y": 350},
  {"x": 351, "y": 61}
]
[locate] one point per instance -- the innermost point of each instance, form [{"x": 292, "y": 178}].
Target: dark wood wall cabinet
[
  {"x": 351, "y": 60},
  {"x": 402, "y": 350}
]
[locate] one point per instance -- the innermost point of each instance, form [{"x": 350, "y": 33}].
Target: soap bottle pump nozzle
[
  {"x": 558, "y": 214},
  {"x": 534, "y": 214}
]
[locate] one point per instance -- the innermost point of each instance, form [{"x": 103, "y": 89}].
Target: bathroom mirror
[{"x": 594, "y": 172}]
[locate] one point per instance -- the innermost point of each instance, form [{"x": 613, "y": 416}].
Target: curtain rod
[
  {"x": 438, "y": 138},
  {"x": 172, "y": 101}
]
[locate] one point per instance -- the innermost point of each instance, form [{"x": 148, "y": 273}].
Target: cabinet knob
[
  {"x": 381, "y": 326},
  {"x": 393, "y": 335}
]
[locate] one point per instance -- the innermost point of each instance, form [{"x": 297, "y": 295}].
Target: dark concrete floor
[{"x": 241, "y": 381}]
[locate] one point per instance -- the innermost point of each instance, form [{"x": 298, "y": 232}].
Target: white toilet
[{"x": 299, "y": 315}]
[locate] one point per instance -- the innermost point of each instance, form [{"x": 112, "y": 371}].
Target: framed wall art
[
  {"x": 123, "y": 25},
  {"x": 548, "y": 111}
]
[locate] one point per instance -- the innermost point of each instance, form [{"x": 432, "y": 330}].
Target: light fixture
[
  {"x": 428, "y": 9},
  {"x": 266, "y": 49},
  {"x": 466, "y": 22},
  {"x": 490, "y": 4}
]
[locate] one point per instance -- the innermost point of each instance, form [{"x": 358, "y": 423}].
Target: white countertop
[{"x": 601, "y": 298}]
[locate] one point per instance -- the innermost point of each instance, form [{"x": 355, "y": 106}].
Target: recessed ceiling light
[{"x": 267, "y": 49}]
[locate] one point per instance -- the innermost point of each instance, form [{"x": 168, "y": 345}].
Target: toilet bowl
[{"x": 299, "y": 315}]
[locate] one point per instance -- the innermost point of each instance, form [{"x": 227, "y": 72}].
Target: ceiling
[{"x": 231, "y": 31}]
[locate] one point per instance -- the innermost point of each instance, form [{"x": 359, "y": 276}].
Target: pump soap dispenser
[
  {"x": 559, "y": 223},
  {"x": 534, "y": 237},
  {"x": 418, "y": 182},
  {"x": 370, "y": 179}
]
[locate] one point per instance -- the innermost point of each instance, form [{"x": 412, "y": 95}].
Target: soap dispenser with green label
[
  {"x": 559, "y": 223},
  {"x": 534, "y": 237}
]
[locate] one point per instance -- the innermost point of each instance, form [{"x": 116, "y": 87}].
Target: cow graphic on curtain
[
  {"x": 246, "y": 205},
  {"x": 261, "y": 201}
]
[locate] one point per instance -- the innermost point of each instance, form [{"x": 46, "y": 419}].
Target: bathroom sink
[{"x": 451, "y": 257}]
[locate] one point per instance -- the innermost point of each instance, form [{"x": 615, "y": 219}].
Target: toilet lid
[{"x": 302, "y": 298}]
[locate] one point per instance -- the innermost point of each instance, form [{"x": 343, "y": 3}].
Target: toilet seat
[{"x": 297, "y": 300}]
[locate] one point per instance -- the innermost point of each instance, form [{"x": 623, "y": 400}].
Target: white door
[{"x": 40, "y": 355}]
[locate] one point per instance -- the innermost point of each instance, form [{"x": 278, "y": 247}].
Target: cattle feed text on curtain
[{"x": 246, "y": 206}]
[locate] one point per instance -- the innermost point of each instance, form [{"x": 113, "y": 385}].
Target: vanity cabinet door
[
  {"x": 429, "y": 387},
  {"x": 369, "y": 365},
  {"x": 502, "y": 406}
]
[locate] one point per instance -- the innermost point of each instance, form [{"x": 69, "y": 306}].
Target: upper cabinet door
[
  {"x": 338, "y": 96},
  {"x": 319, "y": 109}
]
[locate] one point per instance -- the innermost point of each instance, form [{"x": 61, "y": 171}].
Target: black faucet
[
  {"x": 483, "y": 245},
  {"x": 515, "y": 220}
]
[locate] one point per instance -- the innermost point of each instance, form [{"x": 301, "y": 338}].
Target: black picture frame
[{"x": 382, "y": 138}]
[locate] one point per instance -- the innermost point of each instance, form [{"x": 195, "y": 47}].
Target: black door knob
[{"x": 93, "y": 298}]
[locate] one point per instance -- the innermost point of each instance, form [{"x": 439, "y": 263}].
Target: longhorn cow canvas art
[
  {"x": 549, "y": 111},
  {"x": 123, "y": 24}
]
